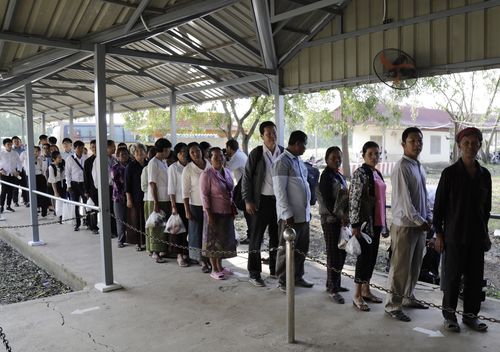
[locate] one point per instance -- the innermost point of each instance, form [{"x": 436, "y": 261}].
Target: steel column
[
  {"x": 111, "y": 114},
  {"x": 44, "y": 127},
  {"x": 279, "y": 111},
  {"x": 23, "y": 129},
  {"x": 102, "y": 174},
  {"x": 71, "y": 127},
  {"x": 30, "y": 149},
  {"x": 173, "y": 118}
]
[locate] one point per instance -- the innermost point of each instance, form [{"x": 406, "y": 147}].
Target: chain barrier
[
  {"x": 386, "y": 290},
  {"x": 44, "y": 223},
  {"x": 5, "y": 341},
  {"x": 195, "y": 249}
]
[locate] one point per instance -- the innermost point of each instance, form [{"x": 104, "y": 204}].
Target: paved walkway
[{"x": 166, "y": 308}]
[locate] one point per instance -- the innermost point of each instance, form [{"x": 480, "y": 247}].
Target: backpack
[{"x": 312, "y": 179}]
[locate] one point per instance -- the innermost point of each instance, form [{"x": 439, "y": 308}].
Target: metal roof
[
  {"x": 211, "y": 49},
  {"x": 209, "y": 43}
]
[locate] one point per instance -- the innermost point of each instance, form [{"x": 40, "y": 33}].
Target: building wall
[
  {"x": 391, "y": 143},
  {"x": 345, "y": 48}
]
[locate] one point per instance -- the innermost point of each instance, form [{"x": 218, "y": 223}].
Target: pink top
[
  {"x": 216, "y": 191},
  {"x": 379, "y": 199}
]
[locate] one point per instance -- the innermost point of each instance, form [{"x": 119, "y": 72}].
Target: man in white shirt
[
  {"x": 10, "y": 168},
  {"x": 67, "y": 151},
  {"x": 236, "y": 164},
  {"x": 74, "y": 179},
  {"x": 258, "y": 194},
  {"x": 18, "y": 147}
]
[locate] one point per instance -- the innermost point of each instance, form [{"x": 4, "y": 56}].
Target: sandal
[
  {"x": 451, "y": 325},
  {"x": 217, "y": 275},
  {"x": 337, "y": 298},
  {"x": 138, "y": 248},
  {"x": 157, "y": 258},
  {"x": 227, "y": 271},
  {"x": 399, "y": 315},
  {"x": 475, "y": 324},
  {"x": 181, "y": 262},
  {"x": 372, "y": 298},
  {"x": 361, "y": 305}
]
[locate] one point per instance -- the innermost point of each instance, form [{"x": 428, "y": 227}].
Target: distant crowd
[{"x": 207, "y": 187}]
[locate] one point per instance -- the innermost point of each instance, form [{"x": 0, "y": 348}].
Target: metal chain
[
  {"x": 37, "y": 225},
  {"x": 5, "y": 341},
  {"x": 204, "y": 252},
  {"x": 381, "y": 288}
]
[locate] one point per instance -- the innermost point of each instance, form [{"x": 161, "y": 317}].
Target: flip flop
[
  {"x": 217, "y": 275},
  {"x": 227, "y": 271},
  {"x": 475, "y": 324},
  {"x": 451, "y": 325},
  {"x": 399, "y": 315},
  {"x": 372, "y": 298},
  {"x": 361, "y": 305}
]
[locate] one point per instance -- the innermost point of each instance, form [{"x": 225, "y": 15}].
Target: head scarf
[{"x": 469, "y": 131}]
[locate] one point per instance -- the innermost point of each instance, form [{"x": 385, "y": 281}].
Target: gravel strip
[{"x": 22, "y": 280}]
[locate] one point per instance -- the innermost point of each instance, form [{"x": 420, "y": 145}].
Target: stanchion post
[{"x": 289, "y": 236}]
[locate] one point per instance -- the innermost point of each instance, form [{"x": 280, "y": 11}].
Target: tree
[
  {"x": 259, "y": 110},
  {"x": 461, "y": 95}
]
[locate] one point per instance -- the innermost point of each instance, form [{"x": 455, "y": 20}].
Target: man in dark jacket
[
  {"x": 257, "y": 192},
  {"x": 461, "y": 213}
]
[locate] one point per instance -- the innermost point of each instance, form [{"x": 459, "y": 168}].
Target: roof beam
[
  {"x": 231, "y": 34},
  {"x": 181, "y": 60},
  {"x": 304, "y": 9},
  {"x": 231, "y": 82},
  {"x": 265, "y": 33},
  {"x": 39, "y": 40},
  {"x": 73, "y": 59},
  {"x": 156, "y": 10},
  {"x": 135, "y": 16},
  {"x": 8, "y": 19},
  {"x": 406, "y": 22},
  {"x": 335, "y": 9}
]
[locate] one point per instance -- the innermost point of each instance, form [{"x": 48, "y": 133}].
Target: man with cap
[{"x": 461, "y": 213}]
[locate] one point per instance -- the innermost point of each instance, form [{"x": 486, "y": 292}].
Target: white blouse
[
  {"x": 175, "y": 181},
  {"x": 53, "y": 178},
  {"x": 158, "y": 173},
  {"x": 191, "y": 182}
]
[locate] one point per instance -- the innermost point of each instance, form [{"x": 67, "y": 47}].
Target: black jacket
[
  {"x": 253, "y": 178},
  {"x": 88, "y": 181},
  {"x": 463, "y": 204}
]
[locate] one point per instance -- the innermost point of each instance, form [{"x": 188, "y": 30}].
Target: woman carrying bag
[{"x": 367, "y": 205}]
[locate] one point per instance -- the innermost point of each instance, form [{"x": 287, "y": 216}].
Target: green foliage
[{"x": 11, "y": 125}]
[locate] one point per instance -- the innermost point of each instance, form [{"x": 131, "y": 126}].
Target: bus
[{"x": 86, "y": 131}]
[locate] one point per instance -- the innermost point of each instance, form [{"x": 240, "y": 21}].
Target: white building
[{"x": 436, "y": 128}]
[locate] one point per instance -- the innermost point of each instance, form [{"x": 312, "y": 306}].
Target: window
[
  {"x": 435, "y": 144},
  {"x": 377, "y": 139}
]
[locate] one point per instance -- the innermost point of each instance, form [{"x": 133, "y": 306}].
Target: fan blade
[{"x": 386, "y": 63}]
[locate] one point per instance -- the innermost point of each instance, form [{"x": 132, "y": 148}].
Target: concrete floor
[{"x": 166, "y": 308}]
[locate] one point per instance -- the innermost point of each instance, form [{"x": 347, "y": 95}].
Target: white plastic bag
[
  {"x": 367, "y": 237},
  {"x": 345, "y": 236},
  {"x": 59, "y": 207},
  {"x": 353, "y": 247},
  {"x": 68, "y": 211},
  {"x": 175, "y": 225},
  {"x": 155, "y": 219}
]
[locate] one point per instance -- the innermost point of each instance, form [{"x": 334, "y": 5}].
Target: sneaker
[
  {"x": 258, "y": 282},
  {"x": 16, "y": 204},
  {"x": 1, "y": 209},
  {"x": 10, "y": 209}
]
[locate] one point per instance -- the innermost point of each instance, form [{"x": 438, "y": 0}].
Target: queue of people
[{"x": 198, "y": 183}]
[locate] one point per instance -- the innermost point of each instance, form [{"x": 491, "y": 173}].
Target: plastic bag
[
  {"x": 367, "y": 237},
  {"x": 175, "y": 225},
  {"x": 353, "y": 247},
  {"x": 68, "y": 211},
  {"x": 59, "y": 207},
  {"x": 155, "y": 219},
  {"x": 345, "y": 236}
]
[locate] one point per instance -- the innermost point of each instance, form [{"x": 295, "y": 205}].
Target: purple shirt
[
  {"x": 216, "y": 191},
  {"x": 118, "y": 177}
]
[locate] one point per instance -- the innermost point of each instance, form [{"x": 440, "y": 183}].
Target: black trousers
[
  {"x": 77, "y": 194},
  {"x": 41, "y": 186},
  {"x": 7, "y": 191},
  {"x": 365, "y": 264},
  {"x": 92, "y": 216},
  {"x": 335, "y": 257},
  {"x": 301, "y": 244},
  {"x": 264, "y": 218},
  {"x": 466, "y": 260}
]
